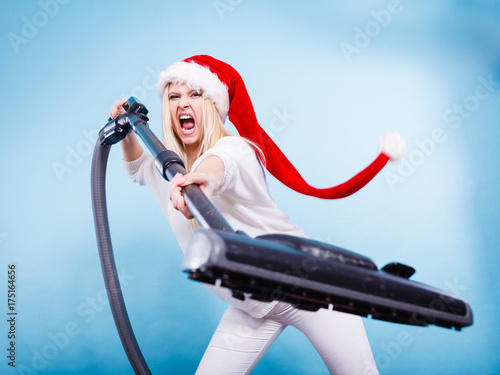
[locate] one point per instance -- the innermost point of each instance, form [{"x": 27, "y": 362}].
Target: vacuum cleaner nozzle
[{"x": 312, "y": 275}]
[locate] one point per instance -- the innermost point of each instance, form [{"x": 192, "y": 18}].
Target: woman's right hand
[{"x": 117, "y": 108}]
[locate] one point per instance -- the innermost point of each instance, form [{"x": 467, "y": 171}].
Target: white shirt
[{"x": 242, "y": 197}]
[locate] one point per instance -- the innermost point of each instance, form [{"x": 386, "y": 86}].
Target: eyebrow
[{"x": 200, "y": 91}]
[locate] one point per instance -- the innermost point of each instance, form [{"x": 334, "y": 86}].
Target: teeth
[{"x": 185, "y": 117}]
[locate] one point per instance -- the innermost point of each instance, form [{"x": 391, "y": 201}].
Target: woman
[{"x": 198, "y": 94}]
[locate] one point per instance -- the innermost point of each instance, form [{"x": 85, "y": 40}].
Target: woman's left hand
[{"x": 178, "y": 181}]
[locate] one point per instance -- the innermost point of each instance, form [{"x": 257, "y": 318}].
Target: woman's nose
[{"x": 183, "y": 101}]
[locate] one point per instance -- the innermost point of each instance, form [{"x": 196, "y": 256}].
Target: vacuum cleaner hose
[{"x": 116, "y": 302}]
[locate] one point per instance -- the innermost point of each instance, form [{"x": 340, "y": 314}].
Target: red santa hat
[{"x": 222, "y": 84}]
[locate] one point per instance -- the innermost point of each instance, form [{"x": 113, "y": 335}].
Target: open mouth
[{"x": 187, "y": 124}]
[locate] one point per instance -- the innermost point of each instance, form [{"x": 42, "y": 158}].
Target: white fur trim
[
  {"x": 393, "y": 145},
  {"x": 197, "y": 77}
]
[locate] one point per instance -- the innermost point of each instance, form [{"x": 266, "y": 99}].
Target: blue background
[{"x": 327, "y": 79}]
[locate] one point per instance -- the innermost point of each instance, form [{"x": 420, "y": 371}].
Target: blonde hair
[{"x": 212, "y": 130}]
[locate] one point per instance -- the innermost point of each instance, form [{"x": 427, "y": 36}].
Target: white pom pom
[{"x": 393, "y": 145}]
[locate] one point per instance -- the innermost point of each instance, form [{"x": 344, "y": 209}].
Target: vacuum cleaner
[{"x": 306, "y": 273}]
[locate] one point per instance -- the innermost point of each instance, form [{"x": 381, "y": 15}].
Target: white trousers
[{"x": 240, "y": 340}]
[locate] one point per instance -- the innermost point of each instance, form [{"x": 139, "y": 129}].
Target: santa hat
[{"x": 222, "y": 84}]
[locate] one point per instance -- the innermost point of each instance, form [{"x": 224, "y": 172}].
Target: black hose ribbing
[{"x": 116, "y": 302}]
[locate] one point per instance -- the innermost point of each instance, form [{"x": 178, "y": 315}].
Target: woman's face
[{"x": 186, "y": 109}]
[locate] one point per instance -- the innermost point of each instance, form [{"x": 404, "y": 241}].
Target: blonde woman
[{"x": 198, "y": 94}]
